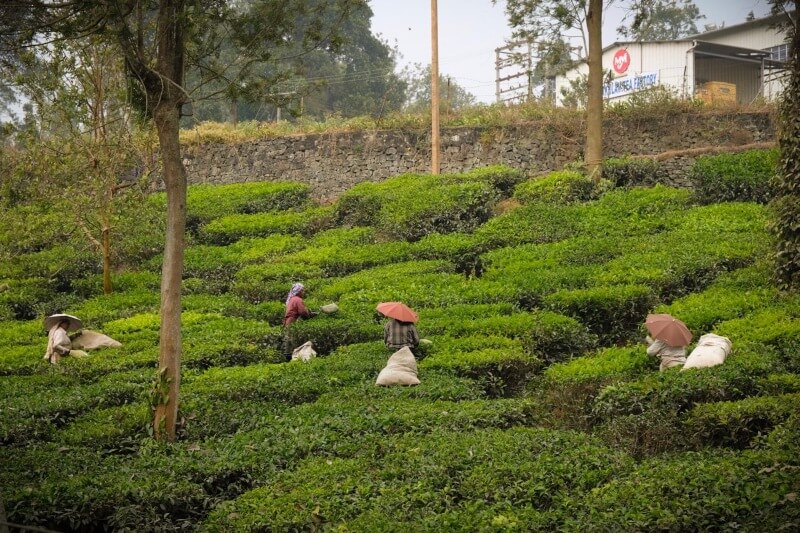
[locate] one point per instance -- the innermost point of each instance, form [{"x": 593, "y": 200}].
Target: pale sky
[{"x": 471, "y": 30}]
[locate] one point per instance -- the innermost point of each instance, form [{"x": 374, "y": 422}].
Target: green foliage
[
  {"x": 678, "y": 391},
  {"x": 451, "y": 203},
  {"x": 629, "y": 171},
  {"x": 520, "y": 309},
  {"x": 227, "y": 229},
  {"x": 612, "y": 311},
  {"x": 535, "y": 469},
  {"x": 737, "y": 423},
  {"x": 746, "y": 176},
  {"x": 746, "y": 491},
  {"x": 562, "y": 187},
  {"x": 207, "y": 202}
]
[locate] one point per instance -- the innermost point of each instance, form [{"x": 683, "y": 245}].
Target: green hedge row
[
  {"x": 558, "y": 188},
  {"x": 451, "y": 203},
  {"x": 737, "y": 423},
  {"x": 230, "y": 228},
  {"x": 695, "y": 491},
  {"x": 480, "y": 480},
  {"x": 744, "y": 177}
]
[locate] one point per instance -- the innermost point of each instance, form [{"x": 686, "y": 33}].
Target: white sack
[
  {"x": 92, "y": 340},
  {"x": 711, "y": 350},
  {"x": 329, "y": 309},
  {"x": 305, "y": 352},
  {"x": 401, "y": 369}
]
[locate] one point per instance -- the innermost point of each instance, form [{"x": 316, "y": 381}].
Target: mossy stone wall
[{"x": 331, "y": 163}]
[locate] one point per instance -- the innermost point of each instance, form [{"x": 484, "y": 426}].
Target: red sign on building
[{"x": 621, "y": 61}]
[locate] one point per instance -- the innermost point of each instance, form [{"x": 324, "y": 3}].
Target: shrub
[
  {"x": 778, "y": 328},
  {"x": 206, "y": 202},
  {"x": 29, "y": 418},
  {"x": 570, "y": 387},
  {"x": 453, "y": 202},
  {"x": 629, "y": 171},
  {"x": 561, "y": 187},
  {"x": 504, "y": 372},
  {"x": 744, "y": 177},
  {"x": 227, "y": 229},
  {"x": 678, "y": 391},
  {"x": 652, "y": 433},
  {"x": 420, "y": 480},
  {"x": 694, "y": 491},
  {"x": 612, "y": 312},
  {"x": 737, "y": 423},
  {"x": 732, "y": 295},
  {"x": 536, "y": 223}
]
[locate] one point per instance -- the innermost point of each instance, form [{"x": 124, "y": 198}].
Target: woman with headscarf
[{"x": 295, "y": 309}]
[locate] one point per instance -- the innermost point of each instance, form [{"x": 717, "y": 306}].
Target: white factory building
[{"x": 742, "y": 62}]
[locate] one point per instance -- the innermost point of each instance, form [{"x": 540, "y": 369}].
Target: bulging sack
[
  {"x": 92, "y": 340},
  {"x": 711, "y": 350},
  {"x": 401, "y": 369},
  {"x": 305, "y": 352}
]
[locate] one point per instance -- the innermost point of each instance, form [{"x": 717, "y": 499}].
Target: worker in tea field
[
  {"x": 669, "y": 341},
  {"x": 58, "y": 342},
  {"x": 670, "y": 356},
  {"x": 400, "y": 330},
  {"x": 295, "y": 310}
]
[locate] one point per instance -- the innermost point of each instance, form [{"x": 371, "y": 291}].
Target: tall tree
[
  {"x": 786, "y": 225},
  {"x": 452, "y": 96},
  {"x": 83, "y": 141},
  {"x": 661, "y": 20},
  {"x": 159, "y": 40},
  {"x": 536, "y": 20}
]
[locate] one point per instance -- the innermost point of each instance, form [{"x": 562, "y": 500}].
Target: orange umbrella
[
  {"x": 398, "y": 311},
  {"x": 668, "y": 329}
]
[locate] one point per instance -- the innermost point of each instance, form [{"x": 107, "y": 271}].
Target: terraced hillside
[{"x": 537, "y": 409}]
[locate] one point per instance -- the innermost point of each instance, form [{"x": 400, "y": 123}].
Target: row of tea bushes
[
  {"x": 523, "y": 475},
  {"x": 451, "y": 203},
  {"x": 219, "y": 402}
]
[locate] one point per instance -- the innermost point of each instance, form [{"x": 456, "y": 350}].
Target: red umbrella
[
  {"x": 398, "y": 311},
  {"x": 668, "y": 329}
]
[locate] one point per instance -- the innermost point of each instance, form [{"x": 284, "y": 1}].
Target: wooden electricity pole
[{"x": 434, "y": 89}]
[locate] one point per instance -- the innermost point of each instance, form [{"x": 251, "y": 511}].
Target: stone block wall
[{"x": 331, "y": 163}]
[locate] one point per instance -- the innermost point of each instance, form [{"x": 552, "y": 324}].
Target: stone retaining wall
[{"x": 332, "y": 163}]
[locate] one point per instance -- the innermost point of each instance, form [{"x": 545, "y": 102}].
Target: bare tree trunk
[
  {"x": 593, "y": 157},
  {"x": 169, "y": 95},
  {"x": 169, "y": 359},
  {"x": 106, "y": 242}
]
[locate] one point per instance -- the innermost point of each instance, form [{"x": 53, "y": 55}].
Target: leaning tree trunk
[
  {"x": 593, "y": 157},
  {"x": 787, "y": 202}
]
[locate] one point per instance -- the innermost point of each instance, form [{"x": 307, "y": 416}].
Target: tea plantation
[{"x": 538, "y": 408}]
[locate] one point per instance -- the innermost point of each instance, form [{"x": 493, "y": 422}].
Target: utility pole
[{"x": 434, "y": 89}]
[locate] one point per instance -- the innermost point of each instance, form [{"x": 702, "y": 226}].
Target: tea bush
[
  {"x": 414, "y": 481},
  {"x": 230, "y": 228},
  {"x": 743, "y": 177},
  {"x": 629, "y": 171},
  {"x": 35, "y": 418},
  {"x": 570, "y": 387},
  {"x": 678, "y": 391},
  {"x": 447, "y": 206},
  {"x": 736, "y": 424},
  {"x": 713, "y": 490},
  {"x": 612, "y": 312},
  {"x": 561, "y": 187},
  {"x": 452, "y": 202}
]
